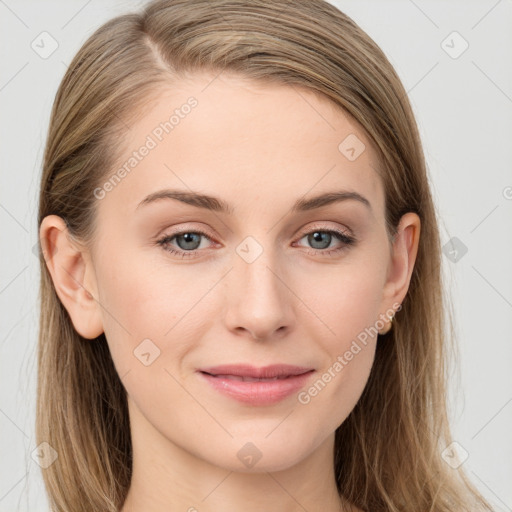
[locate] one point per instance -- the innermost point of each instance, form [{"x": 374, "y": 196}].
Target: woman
[{"x": 237, "y": 306}]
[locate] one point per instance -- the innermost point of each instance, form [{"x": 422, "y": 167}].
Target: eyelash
[{"x": 340, "y": 235}]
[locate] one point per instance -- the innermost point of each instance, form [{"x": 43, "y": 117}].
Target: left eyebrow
[
  {"x": 329, "y": 198},
  {"x": 219, "y": 205}
]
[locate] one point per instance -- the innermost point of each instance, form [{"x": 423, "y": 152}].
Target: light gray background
[{"x": 464, "y": 110}]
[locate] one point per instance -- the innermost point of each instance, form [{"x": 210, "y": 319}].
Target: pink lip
[{"x": 288, "y": 379}]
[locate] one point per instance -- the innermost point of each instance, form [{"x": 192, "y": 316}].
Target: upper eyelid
[{"x": 316, "y": 225}]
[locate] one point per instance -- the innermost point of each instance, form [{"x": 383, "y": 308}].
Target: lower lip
[{"x": 258, "y": 392}]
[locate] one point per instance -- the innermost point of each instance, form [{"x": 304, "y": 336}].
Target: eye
[
  {"x": 321, "y": 240},
  {"x": 188, "y": 243}
]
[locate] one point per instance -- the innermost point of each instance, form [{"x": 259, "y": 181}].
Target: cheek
[
  {"x": 150, "y": 325},
  {"x": 142, "y": 300},
  {"x": 346, "y": 303}
]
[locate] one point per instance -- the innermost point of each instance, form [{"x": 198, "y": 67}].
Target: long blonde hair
[{"x": 388, "y": 451}]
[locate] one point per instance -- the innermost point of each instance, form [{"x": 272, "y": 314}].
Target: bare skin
[{"x": 259, "y": 148}]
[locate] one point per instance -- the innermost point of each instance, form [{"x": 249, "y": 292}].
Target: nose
[{"x": 258, "y": 298}]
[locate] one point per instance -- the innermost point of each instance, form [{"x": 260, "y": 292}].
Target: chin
[{"x": 260, "y": 454}]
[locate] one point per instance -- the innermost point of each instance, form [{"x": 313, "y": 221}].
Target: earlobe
[{"x": 73, "y": 276}]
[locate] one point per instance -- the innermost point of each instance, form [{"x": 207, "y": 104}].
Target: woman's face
[{"x": 243, "y": 279}]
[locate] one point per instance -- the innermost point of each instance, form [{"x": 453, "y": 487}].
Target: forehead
[{"x": 245, "y": 141}]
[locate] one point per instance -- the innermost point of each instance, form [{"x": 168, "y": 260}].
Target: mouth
[
  {"x": 257, "y": 386},
  {"x": 248, "y": 379},
  {"x": 246, "y": 371}
]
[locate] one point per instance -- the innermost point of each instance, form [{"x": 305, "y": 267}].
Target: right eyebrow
[{"x": 192, "y": 198}]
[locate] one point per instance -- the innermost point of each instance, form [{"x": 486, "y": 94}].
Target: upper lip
[{"x": 265, "y": 372}]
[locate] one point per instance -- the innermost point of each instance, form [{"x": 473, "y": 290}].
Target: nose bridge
[{"x": 258, "y": 299}]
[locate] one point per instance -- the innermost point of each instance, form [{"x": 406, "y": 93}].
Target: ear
[
  {"x": 403, "y": 256},
  {"x": 73, "y": 276}
]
